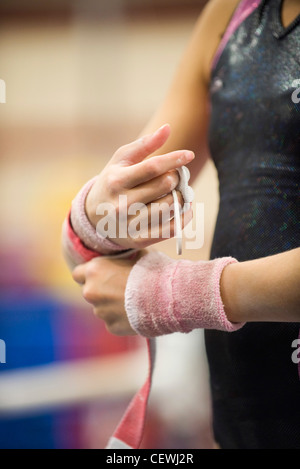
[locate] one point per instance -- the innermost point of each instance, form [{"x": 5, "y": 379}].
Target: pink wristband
[
  {"x": 85, "y": 230},
  {"x": 75, "y": 251},
  {"x": 164, "y": 296}
]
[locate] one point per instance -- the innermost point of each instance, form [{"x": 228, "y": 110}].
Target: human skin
[
  {"x": 260, "y": 290},
  {"x": 187, "y": 129},
  {"x": 263, "y": 290},
  {"x": 143, "y": 180}
]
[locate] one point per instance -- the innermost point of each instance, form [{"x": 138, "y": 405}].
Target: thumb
[{"x": 140, "y": 149}]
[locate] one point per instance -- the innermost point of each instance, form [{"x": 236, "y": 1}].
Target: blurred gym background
[{"x": 83, "y": 77}]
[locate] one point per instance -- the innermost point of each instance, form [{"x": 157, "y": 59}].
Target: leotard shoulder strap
[{"x": 245, "y": 8}]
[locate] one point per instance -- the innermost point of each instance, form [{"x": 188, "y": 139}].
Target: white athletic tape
[
  {"x": 188, "y": 197},
  {"x": 178, "y": 228}
]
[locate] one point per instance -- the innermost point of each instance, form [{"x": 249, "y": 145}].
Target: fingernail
[
  {"x": 189, "y": 155},
  {"x": 160, "y": 129}
]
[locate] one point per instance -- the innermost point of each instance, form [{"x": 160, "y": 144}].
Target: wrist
[
  {"x": 165, "y": 296},
  {"x": 229, "y": 285},
  {"x": 86, "y": 231},
  {"x": 91, "y": 209}
]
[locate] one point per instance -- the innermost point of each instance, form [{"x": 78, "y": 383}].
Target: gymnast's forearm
[
  {"x": 263, "y": 290},
  {"x": 222, "y": 294}
]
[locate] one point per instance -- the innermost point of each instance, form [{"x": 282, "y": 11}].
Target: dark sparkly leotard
[{"x": 255, "y": 144}]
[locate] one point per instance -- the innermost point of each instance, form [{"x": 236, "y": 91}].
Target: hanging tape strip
[
  {"x": 188, "y": 197},
  {"x": 178, "y": 226},
  {"x": 129, "y": 432}
]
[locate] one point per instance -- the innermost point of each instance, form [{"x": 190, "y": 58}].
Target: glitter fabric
[{"x": 255, "y": 144}]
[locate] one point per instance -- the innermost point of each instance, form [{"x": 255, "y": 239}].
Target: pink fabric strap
[
  {"x": 245, "y": 8},
  {"x": 164, "y": 296},
  {"x": 129, "y": 433},
  {"x": 74, "y": 248},
  {"x": 85, "y": 230}
]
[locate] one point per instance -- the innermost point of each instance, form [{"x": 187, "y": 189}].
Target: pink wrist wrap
[
  {"x": 85, "y": 230},
  {"x": 165, "y": 296}
]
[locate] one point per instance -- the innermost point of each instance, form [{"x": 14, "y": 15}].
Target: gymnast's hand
[
  {"x": 103, "y": 282},
  {"x": 144, "y": 181}
]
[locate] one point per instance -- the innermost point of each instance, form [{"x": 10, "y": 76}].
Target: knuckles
[
  {"x": 91, "y": 295},
  {"x": 153, "y": 169},
  {"x": 114, "y": 184},
  {"x": 93, "y": 269},
  {"x": 91, "y": 290},
  {"x": 170, "y": 181},
  {"x": 115, "y": 324}
]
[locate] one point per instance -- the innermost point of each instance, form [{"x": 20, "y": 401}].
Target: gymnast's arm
[
  {"x": 186, "y": 105},
  {"x": 263, "y": 290},
  {"x": 186, "y": 109}
]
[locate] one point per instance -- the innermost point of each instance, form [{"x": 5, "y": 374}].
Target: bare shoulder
[
  {"x": 185, "y": 106},
  {"x": 210, "y": 29}
]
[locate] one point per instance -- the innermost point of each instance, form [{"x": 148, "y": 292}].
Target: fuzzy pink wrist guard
[
  {"x": 85, "y": 230},
  {"x": 164, "y": 296}
]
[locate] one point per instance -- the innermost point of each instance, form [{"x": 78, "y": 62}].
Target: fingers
[
  {"x": 104, "y": 289},
  {"x": 168, "y": 230},
  {"x": 162, "y": 214},
  {"x": 163, "y": 232},
  {"x": 165, "y": 205},
  {"x": 79, "y": 275},
  {"x": 154, "y": 189},
  {"x": 116, "y": 326},
  {"x": 154, "y": 213},
  {"x": 156, "y": 222},
  {"x": 137, "y": 151},
  {"x": 156, "y": 167},
  {"x": 186, "y": 218}
]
